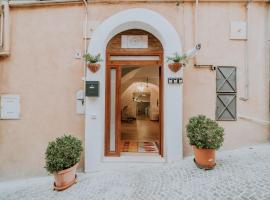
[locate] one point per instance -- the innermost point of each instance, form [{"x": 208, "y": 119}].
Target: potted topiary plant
[
  {"x": 205, "y": 135},
  {"x": 176, "y": 62},
  {"x": 93, "y": 62},
  {"x": 62, "y": 158}
]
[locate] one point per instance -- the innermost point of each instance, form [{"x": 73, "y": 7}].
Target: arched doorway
[
  {"x": 134, "y": 94},
  {"x": 95, "y": 112}
]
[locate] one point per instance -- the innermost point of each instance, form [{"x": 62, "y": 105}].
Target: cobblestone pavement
[{"x": 239, "y": 174}]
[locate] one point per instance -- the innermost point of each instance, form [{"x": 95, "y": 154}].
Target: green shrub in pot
[
  {"x": 63, "y": 153},
  {"x": 205, "y": 135}
]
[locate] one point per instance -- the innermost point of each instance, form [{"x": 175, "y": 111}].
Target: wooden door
[
  {"x": 161, "y": 111},
  {"x": 113, "y": 101}
]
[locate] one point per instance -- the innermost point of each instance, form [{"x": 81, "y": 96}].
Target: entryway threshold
[{"x": 136, "y": 157}]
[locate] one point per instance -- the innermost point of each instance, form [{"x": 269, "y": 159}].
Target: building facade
[{"x": 43, "y": 77}]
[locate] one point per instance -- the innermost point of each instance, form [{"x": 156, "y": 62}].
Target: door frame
[{"x": 117, "y": 65}]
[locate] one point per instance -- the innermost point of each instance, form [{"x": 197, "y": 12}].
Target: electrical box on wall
[
  {"x": 80, "y": 102},
  {"x": 238, "y": 30},
  {"x": 10, "y": 107},
  {"x": 92, "y": 89}
]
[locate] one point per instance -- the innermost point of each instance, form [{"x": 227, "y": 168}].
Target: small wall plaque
[
  {"x": 238, "y": 30},
  {"x": 175, "y": 80},
  {"x": 134, "y": 41},
  {"x": 10, "y": 107}
]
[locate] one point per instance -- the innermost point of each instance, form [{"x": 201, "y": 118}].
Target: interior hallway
[{"x": 140, "y": 131}]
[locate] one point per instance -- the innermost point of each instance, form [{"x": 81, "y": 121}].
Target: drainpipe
[
  {"x": 196, "y": 21},
  {"x": 255, "y": 120},
  {"x": 252, "y": 119},
  {"x": 85, "y": 46},
  {"x": 268, "y": 50},
  {"x": 196, "y": 26},
  {"x": 22, "y": 3},
  {"x": 5, "y": 26},
  {"x": 246, "y": 92},
  {"x": 192, "y": 53}
]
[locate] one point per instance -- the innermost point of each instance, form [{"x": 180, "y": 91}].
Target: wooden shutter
[
  {"x": 226, "y": 107},
  {"x": 226, "y": 89},
  {"x": 226, "y": 80}
]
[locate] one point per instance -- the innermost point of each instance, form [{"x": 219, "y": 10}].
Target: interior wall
[{"x": 127, "y": 97}]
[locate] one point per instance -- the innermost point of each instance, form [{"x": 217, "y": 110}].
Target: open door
[
  {"x": 124, "y": 50},
  {"x": 114, "y": 144},
  {"x": 161, "y": 111}
]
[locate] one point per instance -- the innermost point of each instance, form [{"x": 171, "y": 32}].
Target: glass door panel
[{"x": 113, "y": 111}]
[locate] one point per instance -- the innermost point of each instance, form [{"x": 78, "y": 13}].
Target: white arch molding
[{"x": 156, "y": 24}]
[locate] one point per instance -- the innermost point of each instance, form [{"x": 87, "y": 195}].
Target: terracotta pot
[
  {"x": 205, "y": 158},
  {"x": 65, "y": 178},
  {"x": 175, "y": 67},
  {"x": 93, "y": 67}
]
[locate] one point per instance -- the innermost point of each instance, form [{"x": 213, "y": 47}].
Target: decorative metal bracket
[{"x": 211, "y": 67}]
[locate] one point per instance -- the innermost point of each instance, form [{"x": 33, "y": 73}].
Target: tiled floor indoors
[
  {"x": 242, "y": 174},
  {"x": 140, "y": 135}
]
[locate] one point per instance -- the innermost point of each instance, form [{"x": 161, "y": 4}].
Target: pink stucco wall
[{"x": 43, "y": 70}]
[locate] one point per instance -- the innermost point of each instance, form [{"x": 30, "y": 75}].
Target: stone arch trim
[
  {"x": 137, "y": 18},
  {"x": 156, "y": 24}
]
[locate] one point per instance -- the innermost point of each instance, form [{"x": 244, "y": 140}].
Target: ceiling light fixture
[{"x": 140, "y": 88}]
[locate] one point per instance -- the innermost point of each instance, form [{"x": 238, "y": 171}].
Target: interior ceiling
[
  {"x": 149, "y": 74},
  {"x": 127, "y": 69},
  {"x": 142, "y": 72}
]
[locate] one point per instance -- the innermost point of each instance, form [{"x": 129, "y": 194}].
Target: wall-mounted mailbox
[{"x": 92, "y": 89}]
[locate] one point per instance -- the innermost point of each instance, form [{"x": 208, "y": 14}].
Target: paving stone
[{"x": 240, "y": 174}]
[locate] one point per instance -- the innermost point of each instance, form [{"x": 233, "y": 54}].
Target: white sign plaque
[
  {"x": 10, "y": 106},
  {"x": 134, "y": 41},
  {"x": 238, "y": 30}
]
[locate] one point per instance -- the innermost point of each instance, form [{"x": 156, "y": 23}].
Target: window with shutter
[{"x": 226, "y": 93}]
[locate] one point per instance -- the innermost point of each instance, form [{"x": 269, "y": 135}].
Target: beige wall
[
  {"x": 43, "y": 71},
  {"x": 199, "y": 85}
]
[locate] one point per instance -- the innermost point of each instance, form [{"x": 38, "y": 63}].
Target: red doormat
[
  {"x": 125, "y": 146},
  {"x": 148, "y": 147},
  {"x": 140, "y": 147},
  {"x": 129, "y": 146}
]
